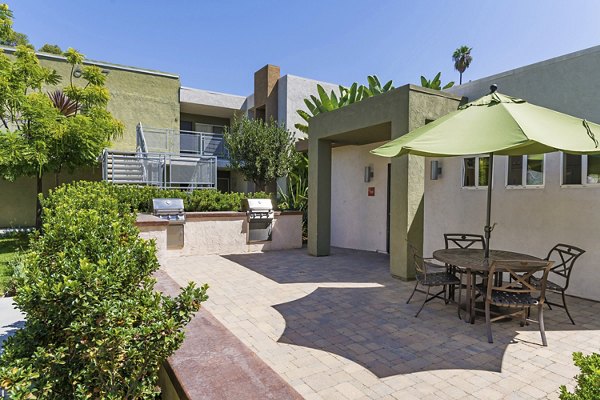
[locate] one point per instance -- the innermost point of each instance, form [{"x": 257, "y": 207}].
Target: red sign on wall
[{"x": 371, "y": 191}]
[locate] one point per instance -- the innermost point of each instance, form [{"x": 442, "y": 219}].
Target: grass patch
[{"x": 9, "y": 247}]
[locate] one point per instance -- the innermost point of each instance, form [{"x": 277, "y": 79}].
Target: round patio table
[{"x": 472, "y": 261}]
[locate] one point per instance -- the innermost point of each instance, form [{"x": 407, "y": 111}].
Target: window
[
  {"x": 580, "y": 170},
  {"x": 475, "y": 171},
  {"x": 525, "y": 170}
]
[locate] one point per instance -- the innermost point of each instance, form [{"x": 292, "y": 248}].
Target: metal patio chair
[
  {"x": 462, "y": 241},
  {"x": 427, "y": 278},
  {"x": 519, "y": 292},
  {"x": 564, "y": 257}
]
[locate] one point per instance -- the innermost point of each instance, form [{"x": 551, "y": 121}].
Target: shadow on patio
[{"x": 374, "y": 327}]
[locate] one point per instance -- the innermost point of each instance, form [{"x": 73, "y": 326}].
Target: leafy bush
[
  {"x": 95, "y": 326},
  {"x": 296, "y": 196},
  {"x": 588, "y": 382},
  {"x": 10, "y": 244},
  {"x": 140, "y": 197}
]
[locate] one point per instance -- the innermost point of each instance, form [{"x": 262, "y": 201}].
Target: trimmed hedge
[
  {"x": 95, "y": 326},
  {"x": 140, "y": 197}
]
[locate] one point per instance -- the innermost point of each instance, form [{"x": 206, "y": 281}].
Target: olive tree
[{"x": 261, "y": 151}]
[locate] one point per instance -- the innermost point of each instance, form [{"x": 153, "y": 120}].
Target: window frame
[
  {"x": 584, "y": 174},
  {"x": 462, "y": 174},
  {"x": 524, "y": 184}
]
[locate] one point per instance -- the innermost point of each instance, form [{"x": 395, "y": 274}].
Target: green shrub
[
  {"x": 588, "y": 381},
  {"x": 10, "y": 244},
  {"x": 95, "y": 326},
  {"x": 140, "y": 197}
]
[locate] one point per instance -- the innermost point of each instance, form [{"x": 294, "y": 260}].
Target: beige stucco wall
[
  {"x": 226, "y": 233},
  {"x": 158, "y": 233},
  {"x": 292, "y": 90},
  {"x": 529, "y": 220},
  {"x": 358, "y": 221}
]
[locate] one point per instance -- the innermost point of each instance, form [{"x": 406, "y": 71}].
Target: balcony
[
  {"x": 169, "y": 158},
  {"x": 182, "y": 142}
]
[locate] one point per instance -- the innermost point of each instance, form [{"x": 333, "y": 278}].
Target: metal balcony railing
[
  {"x": 160, "y": 169},
  {"x": 171, "y": 141}
]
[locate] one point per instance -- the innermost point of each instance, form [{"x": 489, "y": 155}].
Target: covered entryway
[{"x": 373, "y": 120}]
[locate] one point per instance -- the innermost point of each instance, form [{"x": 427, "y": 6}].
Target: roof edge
[
  {"x": 568, "y": 56},
  {"x": 56, "y": 57}
]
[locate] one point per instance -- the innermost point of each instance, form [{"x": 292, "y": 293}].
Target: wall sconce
[
  {"x": 369, "y": 173},
  {"x": 77, "y": 73},
  {"x": 436, "y": 170}
]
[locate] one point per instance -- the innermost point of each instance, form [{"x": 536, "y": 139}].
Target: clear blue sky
[{"x": 217, "y": 45}]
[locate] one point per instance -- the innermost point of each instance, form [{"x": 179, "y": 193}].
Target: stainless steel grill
[
  {"x": 259, "y": 214},
  {"x": 172, "y": 211},
  {"x": 169, "y": 209}
]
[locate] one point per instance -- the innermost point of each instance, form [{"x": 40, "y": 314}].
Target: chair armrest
[{"x": 429, "y": 263}]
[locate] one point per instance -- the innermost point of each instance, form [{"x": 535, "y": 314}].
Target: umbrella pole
[{"x": 488, "y": 228}]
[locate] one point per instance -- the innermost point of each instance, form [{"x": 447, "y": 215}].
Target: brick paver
[{"x": 338, "y": 327}]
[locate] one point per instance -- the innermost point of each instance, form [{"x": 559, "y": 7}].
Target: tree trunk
[
  {"x": 38, "y": 209},
  {"x": 460, "y": 79},
  {"x": 259, "y": 185}
]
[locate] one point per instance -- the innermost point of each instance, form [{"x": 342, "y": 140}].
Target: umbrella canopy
[{"x": 498, "y": 125}]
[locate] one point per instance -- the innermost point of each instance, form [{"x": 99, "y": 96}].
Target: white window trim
[
  {"x": 462, "y": 175},
  {"x": 584, "y": 170},
  {"x": 524, "y": 176}
]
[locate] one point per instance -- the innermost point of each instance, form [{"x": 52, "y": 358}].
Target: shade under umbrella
[{"x": 497, "y": 124}]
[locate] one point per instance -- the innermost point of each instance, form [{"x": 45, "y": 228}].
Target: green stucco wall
[
  {"x": 17, "y": 199},
  {"x": 136, "y": 96},
  {"x": 373, "y": 120}
]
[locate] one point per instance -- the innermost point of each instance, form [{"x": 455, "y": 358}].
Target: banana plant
[
  {"x": 435, "y": 83},
  {"x": 328, "y": 102}
]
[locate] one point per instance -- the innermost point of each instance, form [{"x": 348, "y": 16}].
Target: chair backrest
[
  {"x": 564, "y": 256},
  {"x": 464, "y": 241},
  {"x": 520, "y": 273},
  {"x": 418, "y": 263}
]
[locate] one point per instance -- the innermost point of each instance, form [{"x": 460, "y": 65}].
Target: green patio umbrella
[{"x": 497, "y": 124}]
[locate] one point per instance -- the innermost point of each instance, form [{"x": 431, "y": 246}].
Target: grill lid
[
  {"x": 264, "y": 205},
  {"x": 167, "y": 206}
]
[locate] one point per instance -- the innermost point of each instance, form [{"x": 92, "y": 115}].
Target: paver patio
[{"x": 338, "y": 327}]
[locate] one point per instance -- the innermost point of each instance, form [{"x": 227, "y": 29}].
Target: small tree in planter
[{"x": 261, "y": 151}]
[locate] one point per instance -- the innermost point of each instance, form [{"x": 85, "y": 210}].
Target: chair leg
[
  {"x": 446, "y": 298},
  {"x": 488, "y": 323},
  {"x": 541, "y": 323},
  {"x": 459, "y": 296},
  {"x": 425, "y": 301},
  {"x": 566, "y": 309},
  {"x": 526, "y": 312},
  {"x": 413, "y": 293}
]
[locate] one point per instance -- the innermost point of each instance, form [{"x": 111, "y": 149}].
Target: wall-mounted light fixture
[
  {"x": 77, "y": 72},
  {"x": 369, "y": 173},
  {"x": 436, "y": 170}
]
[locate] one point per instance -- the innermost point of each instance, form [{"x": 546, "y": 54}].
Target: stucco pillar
[
  {"x": 319, "y": 197},
  {"x": 406, "y": 213}
]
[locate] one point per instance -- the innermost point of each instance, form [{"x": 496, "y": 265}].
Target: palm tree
[{"x": 462, "y": 59}]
